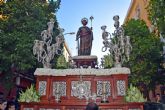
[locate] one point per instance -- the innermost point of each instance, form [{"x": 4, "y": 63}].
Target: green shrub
[
  {"x": 133, "y": 94},
  {"x": 30, "y": 95}
]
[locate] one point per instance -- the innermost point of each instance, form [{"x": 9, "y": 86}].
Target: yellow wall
[
  {"x": 66, "y": 52},
  {"x": 0, "y": 16},
  {"x": 142, "y": 5},
  {"x": 1, "y": 1}
]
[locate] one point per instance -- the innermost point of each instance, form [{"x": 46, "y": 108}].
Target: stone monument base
[
  {"x": 72, "y": 89},
  {"x": 85, "y": 61}
]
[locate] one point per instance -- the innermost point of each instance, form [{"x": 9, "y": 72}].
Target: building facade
[
  {"x": 138, "y": 10},
  {"x": 66, "y": 52}
]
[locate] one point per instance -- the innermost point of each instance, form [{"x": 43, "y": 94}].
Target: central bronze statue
[{"x": 86, "y": 37}]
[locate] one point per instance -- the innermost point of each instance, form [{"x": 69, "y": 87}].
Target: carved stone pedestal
[{"x": 85, "y": 61}]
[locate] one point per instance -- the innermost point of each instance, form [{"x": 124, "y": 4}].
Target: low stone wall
[{"x": 65, "y": 72}]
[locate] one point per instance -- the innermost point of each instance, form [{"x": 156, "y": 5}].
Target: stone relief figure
[
  {"x": 50, "y": 26},
  {"x": 46, "y": 37},
  {"x": 86, "y": 37},
  {"x": 36, "y": 50}
]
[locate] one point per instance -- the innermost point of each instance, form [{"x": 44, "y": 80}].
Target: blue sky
[{"x": 72, "y": 11}]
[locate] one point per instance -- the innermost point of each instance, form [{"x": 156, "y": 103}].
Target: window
[{"x": 137, "y": 13}]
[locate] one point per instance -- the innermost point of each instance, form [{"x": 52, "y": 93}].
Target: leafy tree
[
  {"x": 21, "y": 24},
  {"x": 25, "y": 19},
  {"x": 156, "y": 10},
  {"x": 145, "y": 54}
]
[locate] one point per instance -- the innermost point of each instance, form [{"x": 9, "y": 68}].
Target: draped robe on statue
[{"x": 86, "y": 36}]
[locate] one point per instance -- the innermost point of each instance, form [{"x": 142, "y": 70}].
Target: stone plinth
[
  {"x": 66, "y": 72},
  {"x": 85, "y": 61}
]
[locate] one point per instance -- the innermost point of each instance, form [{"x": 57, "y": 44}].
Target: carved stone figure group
[{"x": 44, "y": 49}]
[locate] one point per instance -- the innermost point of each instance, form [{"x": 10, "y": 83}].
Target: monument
[
  {"x": 72, "y": 89},
  {"x": 84, "y": 38}
]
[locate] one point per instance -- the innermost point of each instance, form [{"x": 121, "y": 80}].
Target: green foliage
[
  {"x": 25, "y": 21},
  {"x": 156, "y": 10},
  {"x": 145, "y": 54},
  {"x": 61, "y": 62},
  {"x": 108, "y": 61},
  {"x": 30, "y": 95},
  {"x": 133, "y": 94}
]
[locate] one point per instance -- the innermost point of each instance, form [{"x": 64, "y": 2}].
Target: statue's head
[
  {"x": 84, "y": 21},
  {"x": 52, "y": 20}
]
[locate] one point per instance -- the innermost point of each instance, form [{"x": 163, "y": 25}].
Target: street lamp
[{"x": 71, "y": 33}]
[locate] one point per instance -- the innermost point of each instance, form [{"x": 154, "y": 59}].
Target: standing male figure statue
[{"x": 86, "y": 37}]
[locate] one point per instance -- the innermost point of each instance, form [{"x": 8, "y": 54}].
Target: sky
[{"x": 72, "y": 11}]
